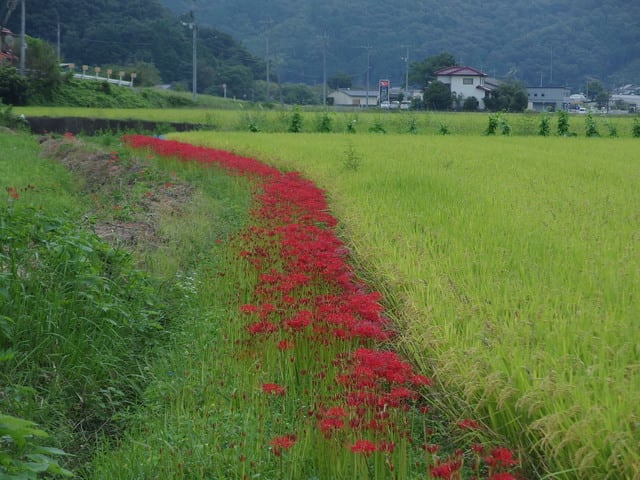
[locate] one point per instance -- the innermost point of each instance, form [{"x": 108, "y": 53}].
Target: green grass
[
  {"x": 515, "y": 263},
  {"x": 38, "y": 182},
  {"x": 80, "y": 324}
]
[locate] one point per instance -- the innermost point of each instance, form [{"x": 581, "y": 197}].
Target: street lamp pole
[{"x": 194, "y": 31}]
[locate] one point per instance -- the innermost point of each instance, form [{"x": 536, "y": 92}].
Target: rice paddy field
[
  {"x": 239, "y": 116},
  {"x": 511, "y": 265}
]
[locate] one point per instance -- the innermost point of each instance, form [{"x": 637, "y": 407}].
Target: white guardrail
[
  {"x": 116, "y": 81},
  {"x": 97, "y": 77}
]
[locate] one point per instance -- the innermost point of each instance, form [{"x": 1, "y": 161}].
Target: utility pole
[
  {"x": 58, "y": 37},
  {"x": 406, "y": 70},
  {"x": 324, "y": 70},
  {"x": 551, "y": 69},
  {"x": 368, "y": 48},
  {"x": 269, "y": 23},
  {"x": 23, "y": 43},
  {"x": 194, "y": 31}
]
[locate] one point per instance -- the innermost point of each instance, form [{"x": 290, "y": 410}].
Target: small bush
[
  {"x": 563, "y": 123},
  {"x": 377, "y": 127},
  {"x": 412, "y": 125},
  {"x": 590, "y": 127},
  {"x": 295, "y": 123},
  {"x": 325, "y": 123},
  {"x": 544, "y": 128},
  {"x": 492, "y": 125},
  {"x": 635, "y": 129},
  {"x": 352, "y": 159}
]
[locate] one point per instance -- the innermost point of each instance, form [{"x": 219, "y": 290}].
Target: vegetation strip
[{"x": 318, "y": 337}]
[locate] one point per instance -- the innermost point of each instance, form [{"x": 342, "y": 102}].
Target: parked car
[{"x": 385, "y": 105}]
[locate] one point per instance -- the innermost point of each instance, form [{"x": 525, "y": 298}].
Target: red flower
[
  {"x": 502, "y": 476},
  {"x": 273, "y": 389},
  {"x": 285, "y": 345},
  {"x": 363, "y": 446},
  {"x": 468, "y": 424},
  {"x": 262, "y": 327},
  {"x": 248, "y": 309},
  {"x": 285, "y": 442},
  {"x": 501, "y": 457},
  {"x": 12, "y": 192},
  {"x": 446, "y": 470}
]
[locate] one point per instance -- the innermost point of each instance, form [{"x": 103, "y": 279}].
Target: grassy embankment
[
  {"x": 514, "y": 262},
  {"x": 84, "y": 331}
]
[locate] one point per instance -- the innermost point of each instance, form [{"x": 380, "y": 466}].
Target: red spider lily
[
  {"x": 502, "y": 476},
  {"x": 273, "y": 389},
  {"x": 446, "y": 470},
  {"x": 12, "y": 192},
  {"x": 284, "y": 442},
  {"x": 329, "y": 425},
  {"x": 249, "y": 309},
  {"x": 501, "y": 457},
  {"x": 300, "y": 321},
  {"x": 386, "y": 447},
  {"x": 363, "y": 446},
  {"x": 285, "y": 345},
  {"x": 468, "y": 424},
  {"x": 431, "y": 448},
  {"x": 262, "y": 327}
]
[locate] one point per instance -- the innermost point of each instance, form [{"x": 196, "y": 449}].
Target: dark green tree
[
  {"x": 509, "y": 96},
  {"x": 298, "y": 94},
  {"x": 470, "y": 104},
  {"x": 602, "y": 99},
  {"x": 593, "y": 88},
  {"x": 421, "y": 73},
  {"x": 340, "y": 80},
  {"x": 437, "y": 96},
  {"x": 147, "y": 75},
  {"x": 43, "y": 72},
  {"x": 13, "y": 87}
]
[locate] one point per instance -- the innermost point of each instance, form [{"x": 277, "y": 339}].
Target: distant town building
[
  {"x": 345, "y": 97},
  {"x": 544, "y": 99},
  {"x": 466, "y": 82}
]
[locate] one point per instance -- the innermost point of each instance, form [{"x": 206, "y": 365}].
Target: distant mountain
[
  {"x": 559, "y": 42},
  {"x": 127, "y": 32}
]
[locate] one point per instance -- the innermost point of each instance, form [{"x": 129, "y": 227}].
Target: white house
[
  {"x": 345, "y": 97},
  {"x": 465, "y": 82}
]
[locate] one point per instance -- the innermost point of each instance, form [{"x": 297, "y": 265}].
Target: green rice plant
[{"x": 512, "y": 266}]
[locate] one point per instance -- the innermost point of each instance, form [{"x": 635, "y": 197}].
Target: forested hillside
[
  {"x": 128, "y": 32},
  {"x": 550, "y": 41}
]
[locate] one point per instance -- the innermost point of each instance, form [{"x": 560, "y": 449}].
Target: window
[{"x": 467, "y": 81}]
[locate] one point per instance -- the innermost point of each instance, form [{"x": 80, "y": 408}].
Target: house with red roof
[{"x": 466, "y": 82}]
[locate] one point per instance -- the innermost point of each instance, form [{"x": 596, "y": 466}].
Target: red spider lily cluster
[
  {"x": 12, "y": 192},
  {"x": 308, "y": 307}
]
